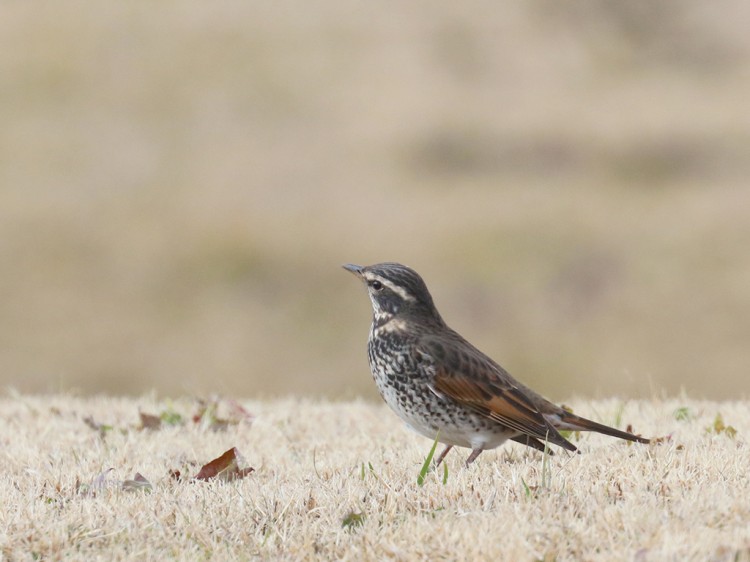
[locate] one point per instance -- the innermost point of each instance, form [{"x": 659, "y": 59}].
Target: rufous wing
[
  {"x": 507, "y": 406},
  {"x": 489, "y": 395}
]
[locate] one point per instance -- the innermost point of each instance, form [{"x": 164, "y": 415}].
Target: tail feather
[{"x": 577, "y": 423}]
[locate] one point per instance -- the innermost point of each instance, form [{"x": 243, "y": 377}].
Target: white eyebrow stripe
[{"x": 400, "y": 291}]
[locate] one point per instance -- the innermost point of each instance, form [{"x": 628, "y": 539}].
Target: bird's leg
[
  {"x": 442, "y": 455},
  {"x": 474, "y": 454}
]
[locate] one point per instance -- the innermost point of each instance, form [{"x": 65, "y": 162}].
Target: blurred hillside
[{"x": 180, "y": 182}]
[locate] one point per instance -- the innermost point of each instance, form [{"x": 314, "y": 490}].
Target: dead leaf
[
  {"x": 99, "y": 483},
  {"x": 238, "y": 412},
  {"x": 660, "y": 440},
  {"x": 175, "y": 474},
  {"x": 205, "y": 409},
  {"x": 102, "y": 428},
  {"x": 219, "y": 424},
  {"x": 225, "y": 467},
  {"x": 138, "y": 483},
  {"x": 149, "y": 421},
  {"x": 629, "y": 429},
  {"x": 208, "y": 414},
  {"x": 310, "y": 504}
]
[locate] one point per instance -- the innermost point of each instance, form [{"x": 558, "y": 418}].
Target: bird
[{"x": 442, "y": 386}]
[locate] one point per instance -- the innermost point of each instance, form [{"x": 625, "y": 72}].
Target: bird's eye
[{"x": 376, "y": 285}]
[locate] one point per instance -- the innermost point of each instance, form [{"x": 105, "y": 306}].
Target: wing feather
[{"x": 481, "y": 385}]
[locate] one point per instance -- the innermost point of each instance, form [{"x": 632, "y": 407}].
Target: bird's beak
[{"x": 355, "y": 269}]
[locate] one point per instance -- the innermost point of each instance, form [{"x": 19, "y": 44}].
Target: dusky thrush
[{"x": 441, "y": 385}]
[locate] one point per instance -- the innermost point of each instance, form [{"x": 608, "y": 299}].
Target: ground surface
[{"x": 338, "y": 481}]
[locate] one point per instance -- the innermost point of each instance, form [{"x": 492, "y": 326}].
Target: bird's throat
[{"x": 385, "y": 323}]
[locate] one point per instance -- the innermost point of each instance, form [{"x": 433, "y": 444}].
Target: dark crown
[
  {"x": 404, "y": 289},
  {"x": 404, "y": 277}
]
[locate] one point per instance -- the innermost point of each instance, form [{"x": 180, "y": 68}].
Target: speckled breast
[{"x": 405, "y": 388}]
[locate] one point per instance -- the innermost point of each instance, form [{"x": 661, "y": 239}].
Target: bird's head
[{"x": 395, "y": 291}]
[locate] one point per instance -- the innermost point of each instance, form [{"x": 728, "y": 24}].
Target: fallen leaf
[
  {"x": 205, "y": 409},
  {"x": 149, "y": 421},
  {"x": 98, "y": 483},
  {"x": 660, "y": 440},
  {"x": 225, "y": 467},
  {"x": 96, "y": 426},
  {"x": 138, "y": 483},
  {"x": 175, "y": 474},
  {"x": 219, "y": 424},
  {"x": 310, "y": 503},
  {"x": 208, "y": 414},
  {"x": 238, "y": 412}
]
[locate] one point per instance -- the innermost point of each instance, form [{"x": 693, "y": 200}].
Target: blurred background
[{"x": 181, "y": 181}]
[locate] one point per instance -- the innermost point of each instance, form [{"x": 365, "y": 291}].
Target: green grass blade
[{"x": 427, "y": 461}]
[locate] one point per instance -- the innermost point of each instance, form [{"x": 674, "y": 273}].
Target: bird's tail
[{"x": 572, "y": 422}]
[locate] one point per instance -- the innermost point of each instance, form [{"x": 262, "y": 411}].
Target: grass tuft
[
  {"x": 718, "y": 427},
  {"x": 352, "y": 520},
  {"x": 682, "y": 414}
]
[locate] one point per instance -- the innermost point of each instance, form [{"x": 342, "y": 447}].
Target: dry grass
[{"x": 317, "y": 462}]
